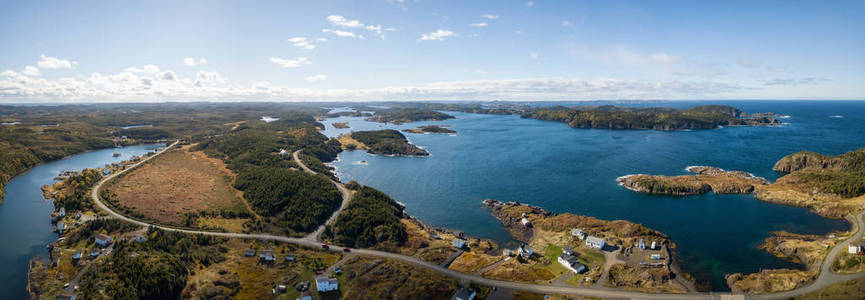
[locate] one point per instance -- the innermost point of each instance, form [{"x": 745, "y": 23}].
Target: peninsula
[
  {"x": 386, "y": 142},
  {"x": 707, "y": 179},
  {"x": 406, "y": 115},
  {"x": 655, "y": 118},
  {"x": 430, "y": 129}
]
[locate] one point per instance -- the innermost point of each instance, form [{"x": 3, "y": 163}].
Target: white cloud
[
  {"x": 341, "y": 33},
  {"x": 530, "y": 4},
  {"x": 301, "y": 42},
  {"x": 47, "y": 62},
  {"x": 317, "y": 77},
  {"x": 31, "y": 71},
  {"x": 167, "y": 76},
  {"x": 290, "y": 63},
  {"x": 489, "y": 16},
  {"x": 205, "y": 78},
  {"x": 341, "y": 21},
  {"x": 150, "y": 69},
  {"x": 481, "y": 24},
  {"x": 533, "y": 55},
  {"x": 567, "y": 24},
  {"x": 438, "y": 35},
  {"x": 321, "y": 40},
  {"x": 664, "y": 58},
  {"x": 795, "y": 81},
  {"x": 191, "y": 62}
]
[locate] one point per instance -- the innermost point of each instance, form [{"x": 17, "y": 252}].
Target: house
[
  {"x": 570, "y": 262},
  {"x": 568, "y": 250},
  {"x": 77, "y": 255},
  {"x": 526, "y": 251},
  {"x": 508, "y": 252},
  {"x": 465, "y": 294},
  {"x": 281, "y": 288},
  {"x": 433, "y": 235},
  {"x": 653, "y": 246},
  {"x": 578, "y": 233},
  {"x": 283, "y": 152},
  {"x": 94, "y": 253},
  {"x": 305, "y": 296},
  {"x": 138, "y": 238},
  {"x": 459, "y": 243},
  {"x": 61, "y": 227},
  {"x": 855, "y": 249},
  {"x": 62, "y": 212},
  {"x": 656, "y": 256},
  {"x": 641, "y": 244},
  {"x": 249, "y": 252},
  {"x": 290, "y": 257},
  {"x": 102, "y": 240},
  {"x": 266, "y": 255},
  {"x": 324, "y": 284},
  {"x": 526, "y": 222},
  {"x": 595, "y": 242}
]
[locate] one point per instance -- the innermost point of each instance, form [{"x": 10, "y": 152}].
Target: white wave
[{"x": 836, "y": 116}]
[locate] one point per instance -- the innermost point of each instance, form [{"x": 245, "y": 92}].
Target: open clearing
[{"x": 175, "y": 183}]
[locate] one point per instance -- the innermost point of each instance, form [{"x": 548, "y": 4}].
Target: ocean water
[
  {"x": 562, "y": 169},
  {"x": 25, "y": 221}
]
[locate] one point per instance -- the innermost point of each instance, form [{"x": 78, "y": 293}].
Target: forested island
[
  {"x": 387, "y": 142},
  {"x": 655, "y": 118},
  {"x": 405, "y": 115},
  {"x": 430, "y": 129}
]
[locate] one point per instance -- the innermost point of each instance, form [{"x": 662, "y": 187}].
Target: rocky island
[
  {"x": 655, "y": 118},
  {"x": 707, "y": 179},
  {"x": 340, "y": 125},
  {"x": 406, "y": 115},
  {"x": 430, "y": 129},
  {"x": 386, "y": 142}
]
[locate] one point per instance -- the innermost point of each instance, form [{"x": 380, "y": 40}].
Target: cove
[
  {"x": 551, "y": 165},
  {"x": 25, "y": 225}
]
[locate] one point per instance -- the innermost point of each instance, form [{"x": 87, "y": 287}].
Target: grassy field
[
  {"x": 853, "y": 289},
  {"x": 175, "y": 183}
]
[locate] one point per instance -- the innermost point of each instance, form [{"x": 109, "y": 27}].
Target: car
[
  {"x": 325, "y": 246},
  {"x": 346, "y": 249},
  {"x": 66, "y": 285}
]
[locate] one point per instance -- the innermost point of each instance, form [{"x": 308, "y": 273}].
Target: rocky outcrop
[
  {"x": 811, "y": 160},
  {"x": 707, "y": 179},
  {"x": 769, "y": 281}
]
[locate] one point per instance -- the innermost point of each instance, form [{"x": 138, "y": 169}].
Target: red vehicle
[
  {"x": 346, "y": 249},
  {"x": 325, "y": 246}
]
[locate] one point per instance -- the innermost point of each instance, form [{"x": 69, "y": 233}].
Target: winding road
[{"x": 826, "y": 277}]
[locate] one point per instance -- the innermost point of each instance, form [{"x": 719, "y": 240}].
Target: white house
[
  {"x": 102, "y": 240},
  {"x": 266, "y": 255},
  {"x": 853, "y": 249},
  {"x": 526, "y": 251},
  {"x": 595, "y": 242},
  {"x": 641, "y": 244},
  {"x": 570, "y": 262},
  {"x": 465, "y": 294},
  {"x": 578, "y": 233},
  {"x": 526, "y": 222},
  {"x": 653, "y": 245},
  {"x": 656, "y": 256},
  {"x": 324, "y": 284},
  {"x": 459, "y": 243}
]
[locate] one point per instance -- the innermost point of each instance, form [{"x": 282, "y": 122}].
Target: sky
[{"x": 391, "y": 50}]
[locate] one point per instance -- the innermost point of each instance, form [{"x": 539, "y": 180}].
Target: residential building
[
  {"x": 77, "y": 255},
  {"x": 138, "y": 238},
  {"x": 102, "y": 240},
  {"x": 94, "y": 253},
  {"x": 324, "y": 284},
  {"x": 570, "y": 262},
  {"x": 641, "y": 244},
  {"x": 459, "y": 243},
  {"x": 656, "y": 256},
  {"x": 653, "y": 245},
  {"x": 465, "y": 294},
  {"x": 290, "y": 257},
  {"x": 266, "y": 255},
  {"x": 595, "y": 242},
  {"x": 61, "y": 227},
  {"x": 305, "y": 296},
  {"x": 526, "y": 251},
  {"x": 578, "y": 233},
  {"x": 855, "y": 248},
  {"x": 249, "y": 252},
  {"x": 526, "y": 222},
  {"x": 568, "y": 250}
]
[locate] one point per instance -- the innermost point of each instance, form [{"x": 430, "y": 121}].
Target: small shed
[{"x": 459, "y": 243}]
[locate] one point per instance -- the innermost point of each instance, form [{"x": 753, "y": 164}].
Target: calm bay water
[
  {"x": 25, "y": 226},
  {"x": 551, "y": 165}
]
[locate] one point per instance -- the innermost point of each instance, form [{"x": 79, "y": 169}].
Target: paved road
[{"x": 826, "y": 276}]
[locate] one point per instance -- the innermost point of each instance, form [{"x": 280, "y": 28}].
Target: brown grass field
[{"x": 175, "y": 183}]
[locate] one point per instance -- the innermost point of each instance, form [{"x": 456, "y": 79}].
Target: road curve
[
  {"x": 825, "y": 278},
  {"x": 346, "y": 196}
]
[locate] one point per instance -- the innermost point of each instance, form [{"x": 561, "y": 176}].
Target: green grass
[
  {"x": 552, "y": 253},
  {"x": 590, "y": 258}
]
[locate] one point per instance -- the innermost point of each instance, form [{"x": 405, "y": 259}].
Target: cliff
[{"x": 850, "y": 161}]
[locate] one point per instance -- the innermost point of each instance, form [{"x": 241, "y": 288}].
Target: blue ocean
[{"x": 562, "y": 169}]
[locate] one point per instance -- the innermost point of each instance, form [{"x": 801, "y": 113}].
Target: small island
[
  {"x": 340, "y": 125},
  {"x": 707, "y": 179},
  {"x": 655, "y": 118},
  {"x": 430, "y": 129},
  {"x": 406, "y": 115},
  {"x": 386, "y": 142}
]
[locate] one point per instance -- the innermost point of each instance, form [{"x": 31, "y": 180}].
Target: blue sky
[{"x": 93, "y": 51}]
